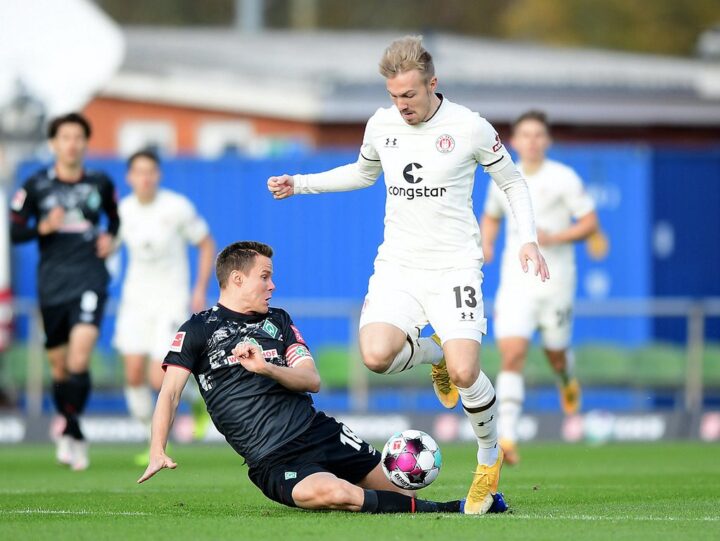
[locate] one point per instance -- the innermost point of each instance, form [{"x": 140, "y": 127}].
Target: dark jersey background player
[
  {"x": 62, "y": 208},
  {"x": 255, "y": 371}
]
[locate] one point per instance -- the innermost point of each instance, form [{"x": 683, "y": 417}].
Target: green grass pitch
[{"x": 626, "y": 491}]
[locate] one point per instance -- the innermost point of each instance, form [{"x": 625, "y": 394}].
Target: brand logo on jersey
[
  {"x": 18, "y": 200},
  {"x": 411, "y": 173},
  {"x": 391, "y": 142},
  {"x": 269, "y": 328},
  {"x": 177, "y": 342},
  {"x": 290, "y": 475},
  {"x": 445, "y": 143},
  {"x": 498, "y": 143}
]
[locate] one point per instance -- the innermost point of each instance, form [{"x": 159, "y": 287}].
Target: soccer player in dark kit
[
  {"x": 255, "y": 373},
  {"x": 62, "y": 208}
]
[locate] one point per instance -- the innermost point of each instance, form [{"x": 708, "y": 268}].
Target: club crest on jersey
[
  {"x": 177, "y": 343},
  {"x": 269, "y": 328},
  {"x": 445, "y": 143}
]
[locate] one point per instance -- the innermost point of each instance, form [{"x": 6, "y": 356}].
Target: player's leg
[
  {"x": 390, "y": 325},
  {"x": 138, "y": 395},
  {"x": 510, "y": 387},
  {"x": 323, "y": 490},
  {"x": 133, "y": 338},
  {"x": 515, "y": 321},
  {"x": 57, "y": 331},
  {"x": 85, "y": 317},
  {"x": 556, "y": 332},
  {"x": 456, "y": 312}
]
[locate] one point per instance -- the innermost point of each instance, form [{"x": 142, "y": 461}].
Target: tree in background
[{"x": 652, "y": 26}]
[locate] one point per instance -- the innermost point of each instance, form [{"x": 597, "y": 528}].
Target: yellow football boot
[
  {"x": 484, "y": 485},
  {"x": 445, "y": 389},
  {"x": 570, "y": 397}
]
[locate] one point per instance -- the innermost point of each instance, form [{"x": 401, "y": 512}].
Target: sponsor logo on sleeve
[
  {"x": 177, "y": 343},
  {"x": 498, "y": 144},
  {"x": 298, "y": 336}
]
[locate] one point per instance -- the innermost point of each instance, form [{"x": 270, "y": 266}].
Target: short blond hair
[{"x": 407, "y": 54}]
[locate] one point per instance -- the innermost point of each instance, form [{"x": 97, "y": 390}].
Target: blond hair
[{"x": 407, "y": 54}]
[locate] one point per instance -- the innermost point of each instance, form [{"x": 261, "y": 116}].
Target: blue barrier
[{"x": 325, "y": 244}]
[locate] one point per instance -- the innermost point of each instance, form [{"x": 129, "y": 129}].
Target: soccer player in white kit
[
  {"x": 564, "y": 214},
  {"x": 157, "y": 227},
  {"x": 428, "y": 268}
]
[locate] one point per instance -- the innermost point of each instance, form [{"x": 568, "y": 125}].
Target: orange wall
[{"x": 107, "y": 116}]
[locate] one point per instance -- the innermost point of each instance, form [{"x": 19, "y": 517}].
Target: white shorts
[
  {"x": 519, "y": 311},
  {"x": 450, "y": 300},
  {"x": 142, "y": 330}
]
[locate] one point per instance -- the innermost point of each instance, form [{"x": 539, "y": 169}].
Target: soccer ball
[{"x": 411, "y": 459}]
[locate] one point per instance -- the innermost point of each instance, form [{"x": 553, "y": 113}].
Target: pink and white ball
[{"x": 411, "y": 459}]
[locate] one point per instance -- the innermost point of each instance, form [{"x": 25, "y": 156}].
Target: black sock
[
  {"x": 78, "y": 391},
  {"x": 63, "y": 398},
  {"x": 386, "y": 501}
]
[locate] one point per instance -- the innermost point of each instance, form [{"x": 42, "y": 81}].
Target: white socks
[
  {"x": 511, "y": 395},
  {"x": 414, "y": 353},
  {"x": 140, "y": 404},
  {"x": 480, "y": 406}
]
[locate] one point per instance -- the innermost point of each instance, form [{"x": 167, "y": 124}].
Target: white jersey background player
[
  {"x": 428, "y": 267},
  {"x": 564, "y": 214},
  {"x": 157, "y": 227}
]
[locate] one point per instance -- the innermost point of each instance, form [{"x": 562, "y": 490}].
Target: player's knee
[
  {"x": 464, "y": 375},
  {"x": 513, "y": 359},
  {"x": 377, "y": 357}
]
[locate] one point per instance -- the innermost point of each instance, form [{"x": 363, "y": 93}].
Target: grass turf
[{"x": 651, "y": 491}]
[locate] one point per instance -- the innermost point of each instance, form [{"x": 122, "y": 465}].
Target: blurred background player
[
  {"x": 256, "y": 374},
  {"x": 564, "y": 214},
  {"x": 61, "y": 207},
  {"x": 157, "y": 227},
  {"x": 428, "y": 267}
]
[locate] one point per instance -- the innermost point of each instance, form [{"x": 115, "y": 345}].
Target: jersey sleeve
[
  {"x": 24, "y": 214},
  {"x": 493, "y": 202},
  {"x": 487, "y": 147},
  {"x": 186, "y": 347},
  {"x": 110, "y": 205},
  {"x": 193, "y": 227},
  {"x": 296, "y": 349},
  {"x": 576, "y": 197}
]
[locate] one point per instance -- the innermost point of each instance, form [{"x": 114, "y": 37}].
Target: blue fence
[{"x": 325, "y": 244}]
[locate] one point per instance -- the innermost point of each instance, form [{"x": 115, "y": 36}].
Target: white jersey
[
  {"x": 429, "y": 175},
  {"x": 157, "y": 236},
  {"x": 557, "y": 196}
]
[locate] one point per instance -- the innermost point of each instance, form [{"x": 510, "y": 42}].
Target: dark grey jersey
[{"x": 255, "y": 413}]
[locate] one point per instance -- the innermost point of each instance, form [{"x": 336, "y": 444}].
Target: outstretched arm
[
  {"x": 165, "y": 409},
  {"x": 345, "y": 178},
  {"x": 205, "y": 263}
]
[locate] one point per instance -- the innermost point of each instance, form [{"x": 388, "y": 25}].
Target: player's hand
[
  {"x": 104, "y": 245},
  {"x": 281, "y": 187},
  {"x": 52, "y": 222},
  {"x": 157, "y": 462},
  {"x": 251, "y": 357},
  {"x": 530, "y": 252},
  {"x": 545, "y": 238},
  {"x": 198, "y": 302}
]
